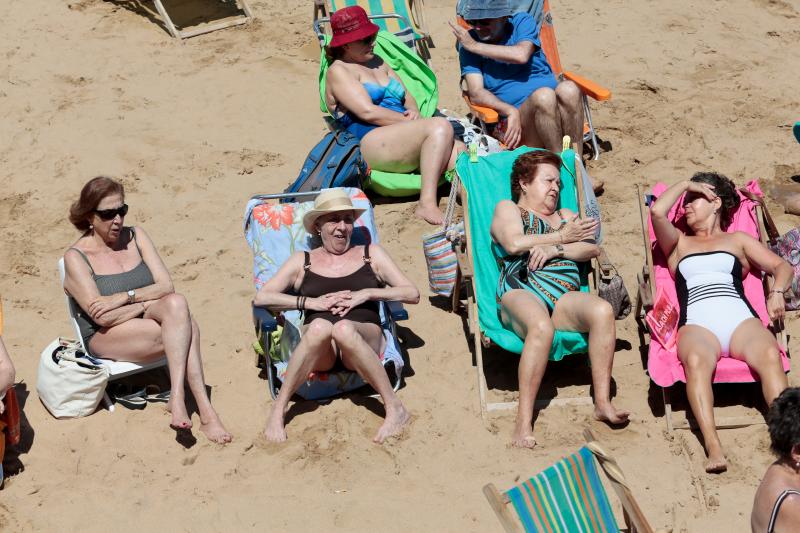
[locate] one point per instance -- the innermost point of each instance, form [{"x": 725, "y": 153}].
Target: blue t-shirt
[{"x": 512, "y": 83}]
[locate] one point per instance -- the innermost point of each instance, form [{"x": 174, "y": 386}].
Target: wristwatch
[
  {"x": 560, "y": 250},
  {"x": 131, "y": 296}
]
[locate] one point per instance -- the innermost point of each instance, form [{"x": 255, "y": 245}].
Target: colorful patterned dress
[{"x": 549, "y": 283}]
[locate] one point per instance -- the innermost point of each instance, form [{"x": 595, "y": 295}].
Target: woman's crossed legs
[
  {"x": 167, "y": 328},
  {"x": 699, "y": 350},
  {"x": 574, "y": 311},
  {"x": 359, "y": 344}
]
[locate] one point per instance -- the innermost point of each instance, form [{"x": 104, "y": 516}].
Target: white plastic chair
[{"x": 116, "y": 369}]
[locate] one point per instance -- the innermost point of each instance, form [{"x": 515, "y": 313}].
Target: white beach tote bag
[{"x": 69, "y": 383}]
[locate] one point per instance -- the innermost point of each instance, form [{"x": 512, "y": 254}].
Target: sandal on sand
[
  {"x": 128, "y": 397},
  {"x": 153, "y": 393}
]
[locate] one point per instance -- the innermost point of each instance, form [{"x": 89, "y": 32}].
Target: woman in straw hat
[
  {"x": 369, "y": 100},
  {"x": 338, "y": 286}
]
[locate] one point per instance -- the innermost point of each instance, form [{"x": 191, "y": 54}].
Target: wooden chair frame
[
  {"x": 465, "y": 277},
  {"x": 200, "y": 30},
  {"x": 634, "y": 518},
  {"x": 645, "y": 297}
]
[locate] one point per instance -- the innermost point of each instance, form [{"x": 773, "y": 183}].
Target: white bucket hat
[{"x": 329, "y": 201}]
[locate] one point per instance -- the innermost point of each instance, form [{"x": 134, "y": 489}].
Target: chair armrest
[
  {"x": 463, "y": 262},
  {"x": 604, "y": 264},
  {"x": 486, "y": 114},
  {"x": 264, "y": 321},
  {"x": 588, "y": 87},
  {"x": 397, "y": 311},
  {"x": 645, "y": 290}
]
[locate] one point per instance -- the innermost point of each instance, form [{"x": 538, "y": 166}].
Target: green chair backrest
[{"x": 488, "y": 182}]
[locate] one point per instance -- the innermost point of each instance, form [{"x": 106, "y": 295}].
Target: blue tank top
[{"x": 390, "y": 96}]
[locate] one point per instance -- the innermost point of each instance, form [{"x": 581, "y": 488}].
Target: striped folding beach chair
[
  {"x": 569, "y": 497},
  {"x": 404, "y": 18}
]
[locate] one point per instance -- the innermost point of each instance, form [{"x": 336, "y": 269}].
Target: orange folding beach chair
[{"x": 487, "y": 118}]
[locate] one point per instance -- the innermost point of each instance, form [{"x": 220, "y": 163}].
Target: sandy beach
[{"x": 194, "y": 128}]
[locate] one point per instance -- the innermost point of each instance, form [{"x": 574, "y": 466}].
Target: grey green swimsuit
[{"x": 108, "y": 284}]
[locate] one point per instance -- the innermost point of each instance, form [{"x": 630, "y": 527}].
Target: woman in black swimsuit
[
  {"x": 777, "y": 503},
  {"x": 339, "y": 287},
  {"x": 129, "y": 308}
]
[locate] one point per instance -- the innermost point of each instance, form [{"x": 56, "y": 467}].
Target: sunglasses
[
  {"x": 111, "y": 214},
  {"x": 369, "y": 40},
  {"x": 480, "y": 22}
]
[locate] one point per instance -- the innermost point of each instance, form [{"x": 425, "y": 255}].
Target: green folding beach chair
[
  {"x": 420, "y": 81},
  {"x": 483, "y": 184},
  {"x": 569, "y": 497},
  {"x": 403, "y": 18}
]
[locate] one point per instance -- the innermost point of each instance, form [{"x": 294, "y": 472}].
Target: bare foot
[
  {"x": 215, "y": 431},
  {"x": 716, "y": 463},
  {"x": 523, "y": 435},
  {"x": 396, "y": 420},
  {"x": 612, "y": 415},
  {"x": 524, "y": 441},
  {"x": 430, "y": 214},
  {"x": 275, "y": 432},
  {"x": 180, "y": 417}
]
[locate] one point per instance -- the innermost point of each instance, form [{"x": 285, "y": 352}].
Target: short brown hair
[
  {"x": 92, "y": 193},
  {"x": 333, "y": 53},
  {"x": 524, "y": 169}
]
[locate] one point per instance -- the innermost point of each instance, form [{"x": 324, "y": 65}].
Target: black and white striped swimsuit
[
  {"x": 711, "y": 295},
  {"x": 777, "y": 507}
]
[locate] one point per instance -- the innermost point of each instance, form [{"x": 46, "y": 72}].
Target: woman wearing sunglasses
[
  {"x": 129, "y": 308},
  {"x": 369, "y": 100}
]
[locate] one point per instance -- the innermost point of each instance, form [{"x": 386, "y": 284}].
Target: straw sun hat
[{"x": 329, "y": 201}]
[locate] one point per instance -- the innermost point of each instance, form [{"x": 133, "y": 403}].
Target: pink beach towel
[{"x": 663, "y": 365}]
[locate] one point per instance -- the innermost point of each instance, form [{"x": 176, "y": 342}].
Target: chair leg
[
  {"x": 667, "y": 409},
  {"x": 108, "y": 403},
  {"x": 271, "y": 379},
  {"x": 245, "y": 7},
  {"x": 167, "y": 21},
  {"x": 588, "y": 113}
]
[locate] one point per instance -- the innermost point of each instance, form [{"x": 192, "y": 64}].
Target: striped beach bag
[
  {"x": 441, "y": 260},
  {"x": 438, "y": 247}
]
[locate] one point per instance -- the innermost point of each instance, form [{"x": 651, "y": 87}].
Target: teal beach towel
[{"x": 488, "y": 182}]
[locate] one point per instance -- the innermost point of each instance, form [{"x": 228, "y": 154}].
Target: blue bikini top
[
  {"x": 390, "y": 96},
  {"x": 393, "y": 92}
]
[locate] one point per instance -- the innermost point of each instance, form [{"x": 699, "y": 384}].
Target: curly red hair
[{"x": 524, "y": 169}]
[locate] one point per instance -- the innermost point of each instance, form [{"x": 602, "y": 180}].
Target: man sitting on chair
[{"x": 506, "y": 69}]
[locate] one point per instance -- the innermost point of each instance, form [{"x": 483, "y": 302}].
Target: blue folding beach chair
[{"x": 275, "y": 231}]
